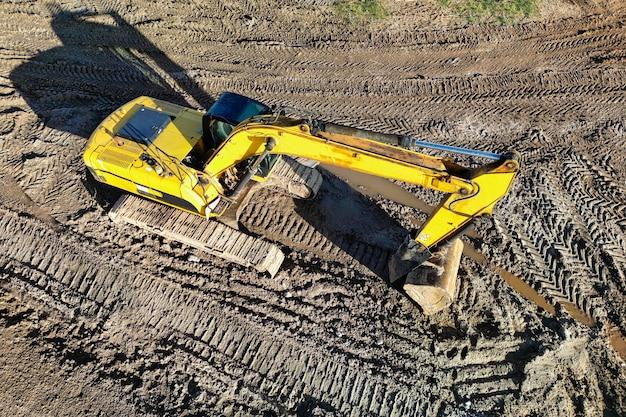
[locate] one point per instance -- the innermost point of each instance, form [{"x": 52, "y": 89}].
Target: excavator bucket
[{"x": 433, "y": 285}]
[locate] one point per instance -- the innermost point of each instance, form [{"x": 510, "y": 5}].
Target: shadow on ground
[{"x": 103, "y": 63}]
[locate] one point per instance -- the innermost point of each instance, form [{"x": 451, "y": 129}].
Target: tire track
[
  {"x": 214, "y": 332},
  {"x": 562, "y": 253},
  {"x": 98, "y": 292}
]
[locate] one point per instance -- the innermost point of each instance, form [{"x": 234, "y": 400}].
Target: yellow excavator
[{"x": 203, "y": 163}]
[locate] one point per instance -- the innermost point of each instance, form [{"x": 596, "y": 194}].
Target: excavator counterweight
[{"x": 207, "y": 163}]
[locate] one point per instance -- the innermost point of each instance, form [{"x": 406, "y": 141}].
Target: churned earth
[{"x": 98, "y": 318}]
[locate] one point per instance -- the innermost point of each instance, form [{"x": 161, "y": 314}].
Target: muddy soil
[{"x": 98, "y": 318}]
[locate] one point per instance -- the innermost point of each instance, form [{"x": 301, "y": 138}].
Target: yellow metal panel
[{"x": 181, "y": 135}]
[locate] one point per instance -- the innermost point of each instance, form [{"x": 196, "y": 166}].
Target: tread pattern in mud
[
  {"x": 199, "y": 324},
  {"x": 572, "y": 247},
  {"x": 280, "y": 371},
  {"x": 551, "y": 89},
  {"x": 90, "y": 282}
]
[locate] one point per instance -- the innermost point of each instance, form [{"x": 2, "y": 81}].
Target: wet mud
[{"x": 99, "y": 318}]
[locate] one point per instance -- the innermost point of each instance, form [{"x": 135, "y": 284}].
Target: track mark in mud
[
  {"x": 562, "y": 229},
  {"x": 201, "y": 325},
  {"x": 527, "y": 291},
  {"x": 209, "y": 328}
]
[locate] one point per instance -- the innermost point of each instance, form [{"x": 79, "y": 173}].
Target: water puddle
[
  {"x": 11, "y": 190},
  {"x": 578, "y": 314},
  {"x": 514, "y": 281}
]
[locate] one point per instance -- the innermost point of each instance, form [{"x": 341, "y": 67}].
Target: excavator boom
[
  {"x": 472, "y": 192},
  {"x": 201, "y": 163}
]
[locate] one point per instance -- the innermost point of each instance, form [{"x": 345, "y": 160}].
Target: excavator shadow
[{"x": 103, "y": 62}]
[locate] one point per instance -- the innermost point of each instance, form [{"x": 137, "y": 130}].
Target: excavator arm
[{"x": 470, "y": 193}]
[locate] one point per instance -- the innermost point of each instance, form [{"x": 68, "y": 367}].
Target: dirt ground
[{"x": 101, "y": 319}]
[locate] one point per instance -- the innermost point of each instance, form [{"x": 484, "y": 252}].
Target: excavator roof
[{"x": 234, "y": 108}]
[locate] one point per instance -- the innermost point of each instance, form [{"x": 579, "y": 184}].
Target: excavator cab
[{"x": 228, "y": 111}]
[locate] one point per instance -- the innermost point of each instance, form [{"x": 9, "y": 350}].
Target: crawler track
[{"x": 210, "y": 236}]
